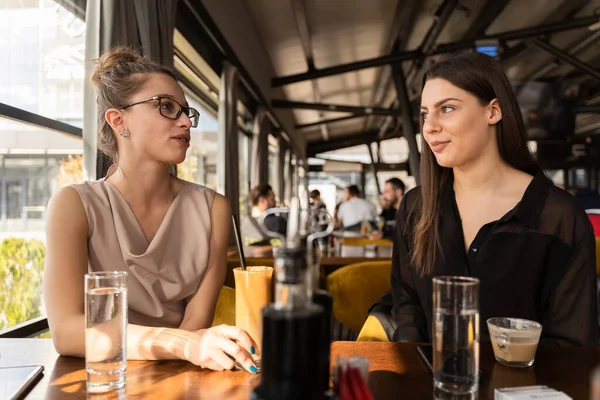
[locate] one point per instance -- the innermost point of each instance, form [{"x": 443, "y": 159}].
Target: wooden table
[{"x": 396, "y": 372}]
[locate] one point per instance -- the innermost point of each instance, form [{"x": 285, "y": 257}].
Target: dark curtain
[
  {"x": 146, "y": 25},
  {"x": 228, "y": 181},
  {"x": 260, "y": 148}
]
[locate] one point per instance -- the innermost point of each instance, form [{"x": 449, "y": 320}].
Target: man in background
[
  {"x": 315, "y": 200},
  {"x": 393, "y": 192},
  {"x": 354, "y": 210},
  {"x": 262, "y": 198}
]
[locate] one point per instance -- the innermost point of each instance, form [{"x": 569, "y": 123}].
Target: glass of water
[
  {"x": 455, "y": 337},
  {"x": 105, "y": 330}
]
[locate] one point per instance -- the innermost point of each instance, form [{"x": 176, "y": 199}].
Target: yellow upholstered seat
[
  {"x": 225, "y": 310},
  {"x": 355, "y": 288},
  {"x": 372, "y": 331},
  {"x": 362, "y": 241}
]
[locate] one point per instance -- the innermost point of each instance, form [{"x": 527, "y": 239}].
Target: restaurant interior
[{"x": 307, "y": 118}]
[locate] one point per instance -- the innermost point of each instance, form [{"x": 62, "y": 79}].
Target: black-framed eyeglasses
[{"x": 170, "y": 108}]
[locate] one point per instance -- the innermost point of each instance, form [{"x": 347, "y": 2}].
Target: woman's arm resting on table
[{"x": 65, "y": 266}]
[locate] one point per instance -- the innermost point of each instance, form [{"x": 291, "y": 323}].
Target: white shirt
[{"x": 356, "y": 210}]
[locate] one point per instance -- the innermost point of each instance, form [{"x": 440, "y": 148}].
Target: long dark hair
[{"x": 483, "y": 77}]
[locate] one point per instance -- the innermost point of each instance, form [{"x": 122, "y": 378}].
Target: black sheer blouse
[{"x": 537, "y": 262}]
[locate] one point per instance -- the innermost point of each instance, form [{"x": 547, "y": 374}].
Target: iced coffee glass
[
  {"x": 253, "y": 288},
  {"x": 514, "y": 340}
]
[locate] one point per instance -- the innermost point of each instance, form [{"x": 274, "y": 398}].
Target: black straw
[{"x": 238, "y": 240}]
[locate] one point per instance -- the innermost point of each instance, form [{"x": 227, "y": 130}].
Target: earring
[{"x": 125, "y": 133}]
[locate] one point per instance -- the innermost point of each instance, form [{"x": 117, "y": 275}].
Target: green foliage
[{"x": 21, "y": 268}]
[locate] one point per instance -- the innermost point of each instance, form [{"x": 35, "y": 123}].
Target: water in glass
[
  {"x": 105, "y": 338},
  {"x": 456, "y": 354},
  {"x": 455, "y": 337}
]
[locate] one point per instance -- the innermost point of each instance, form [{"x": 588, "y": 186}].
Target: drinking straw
[{"x": 238, "y": 240}]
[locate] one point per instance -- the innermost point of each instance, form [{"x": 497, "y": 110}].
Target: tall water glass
[
  {"x": 455, "y": 337},
  {"x": 105, "y": 330}
]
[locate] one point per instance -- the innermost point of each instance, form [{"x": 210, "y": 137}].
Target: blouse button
[{"x": 474, "y": 250}]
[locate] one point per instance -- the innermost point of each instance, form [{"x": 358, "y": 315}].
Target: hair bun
[{"x": 112, "y": 59}]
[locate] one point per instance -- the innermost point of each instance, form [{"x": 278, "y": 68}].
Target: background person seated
[
  {"x": 354, "y": 210},
  {"x": 262, "y": 198},
  {"x": 392, "y": 195},
  {"x": 315, "y": 200}
]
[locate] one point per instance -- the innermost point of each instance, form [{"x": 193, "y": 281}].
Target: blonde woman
[{"x": 169, "y": 235}]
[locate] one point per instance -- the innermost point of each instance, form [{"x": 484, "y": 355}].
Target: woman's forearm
[
  {"x": 149, "y": 343},
  {"x": 143, "y": 342}
]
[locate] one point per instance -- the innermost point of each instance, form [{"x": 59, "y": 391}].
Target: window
[
  {"x": 42, "y": 48},
  {"x": 274, "y": 165},
  {"x": 244, "y": 172},
  {"x": 200, "y": 85},
  {"x": 200, "y": 165},
  {"x": 41, "y": 72}
]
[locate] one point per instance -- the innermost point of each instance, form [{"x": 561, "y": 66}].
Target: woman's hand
[{"x": 219, "y": 347}]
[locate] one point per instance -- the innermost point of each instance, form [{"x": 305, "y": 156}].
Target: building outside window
[
  {"x": 200, "y": 165},
  {"x": 274, "y": 165},
  {"x": 244, "y": 149},
  {"x": 41, "y": 71}
]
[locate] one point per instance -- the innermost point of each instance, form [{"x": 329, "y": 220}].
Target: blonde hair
[{"x": 119, "y": 74}]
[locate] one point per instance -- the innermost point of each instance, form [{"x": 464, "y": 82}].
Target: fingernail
[
  {"x": 252, "y": 350},
  {"x": 253, "y": 369}
]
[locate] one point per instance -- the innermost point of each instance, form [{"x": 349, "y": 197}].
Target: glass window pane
[
  {"x": 200, "y": 165},
  {"x": 244, "y": 172},
  {"x": 42, "y": 48},
  {"x": 274, "y": 165},
  {"x": 34, "y": 164}
]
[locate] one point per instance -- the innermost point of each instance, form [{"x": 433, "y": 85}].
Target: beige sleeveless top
[{"x": 162, "y": 274}]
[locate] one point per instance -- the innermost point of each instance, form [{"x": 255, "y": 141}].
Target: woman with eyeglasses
[{"x": 169, "y": 235}]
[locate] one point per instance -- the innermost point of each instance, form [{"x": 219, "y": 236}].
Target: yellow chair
[
  {"x": 372, "y": 331},
  {"x": 355, "y": 288},
  {"x": 225, "y": 310},
  {"x": 362, "y": 241}
]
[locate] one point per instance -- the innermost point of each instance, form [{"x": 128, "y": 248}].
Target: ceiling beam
[
  {"x": 329, "y": 121},
  {"x": 573, "y": 51},
  {"x": 407, "y": 13},
  {"x": 518, "y": 34},
  {"x": 205, "y": 23},
  {"x": 380, "y": 166},
  {"x": 299, "y": 10},
  {"x": 486, "y": 16},
  {"x": 345, "y": 141},
  {"x": 560, "y": 54},
  {"x": 409, "y": 127},
  {"x": 442, "y": 48},
  {"x": 350, "y": 67},
  {"x": 441, "y": 17},
  {"x": 516, "y": 54},
  {"x": 593, "y": 108},
  {"x": 333, "y": 108}
]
